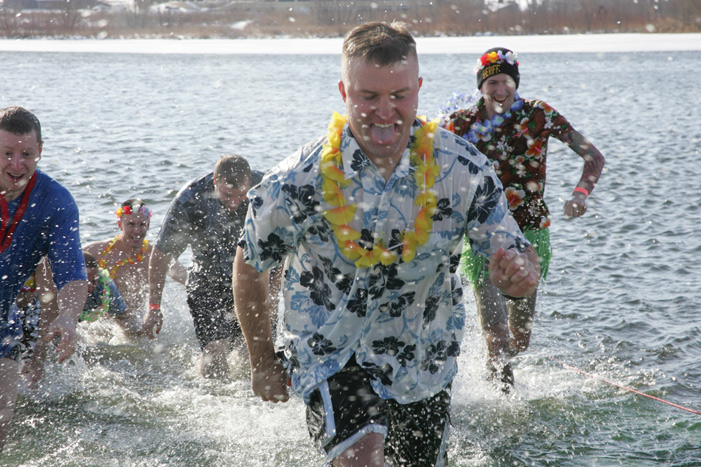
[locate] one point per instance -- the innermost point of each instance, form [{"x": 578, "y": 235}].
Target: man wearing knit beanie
[
  {"x": 494, "y": 61},
  {"x": 513, "y": 133}
]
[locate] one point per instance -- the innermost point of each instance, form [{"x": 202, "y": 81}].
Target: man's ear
[{"x": 342, "y": 89}]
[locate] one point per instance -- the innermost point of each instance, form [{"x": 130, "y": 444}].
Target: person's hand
[
  {"x": 269, "y": 380},
  {"x": 63, "y": 326},
  {"x": 153, "y": 321},
  {"x": 132, "y": 326},
  {"x": 576, "y": 206},
  {"x": 33, "y": 372},
  {"x": 513, "y": 273}
]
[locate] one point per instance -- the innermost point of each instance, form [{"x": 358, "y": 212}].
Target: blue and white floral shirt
[{"x": 404, "y": 322}]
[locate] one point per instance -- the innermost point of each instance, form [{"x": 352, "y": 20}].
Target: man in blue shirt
[{"x": 39, "y": 218}]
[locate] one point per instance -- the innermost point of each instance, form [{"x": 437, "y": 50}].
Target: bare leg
[
  {"x": 213, "y": 363},
  {"x": 9, "y": 381},
  {"x": 521, "y": 313},
  {"x": 367, "y": 452},
  {"x": 493, "y": 318}
]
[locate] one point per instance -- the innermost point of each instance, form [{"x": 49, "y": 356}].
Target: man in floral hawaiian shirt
[
  {"x": 369, "y": 223},
  {"x": 513, "y": 133}
]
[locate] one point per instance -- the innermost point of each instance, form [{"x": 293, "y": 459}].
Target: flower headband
[
  {"x": 128, "y": 210},
  {"x": 496, "y": 56}
]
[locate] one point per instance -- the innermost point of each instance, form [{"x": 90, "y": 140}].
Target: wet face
[
  {"x": 20, "y": 155},
  {"x": 93, "y": 276},
  {"x": 231, "y": 197},
  {"x": 133, "y": 228},
  {"x": 381, "y": 102},
  {"x": 498, "y": 91}
]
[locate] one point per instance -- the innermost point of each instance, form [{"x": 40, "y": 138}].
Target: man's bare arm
[
  {"x": 159, "y": 263},
  {"x": 178, "y": 272},
  {"x": 594, "y": 162},
  {"x": 515, "y": 274},
  {"x": 252, "y": 303},
  {"x": 33, "y": 369},
  {"x": 71, "y": 301}
]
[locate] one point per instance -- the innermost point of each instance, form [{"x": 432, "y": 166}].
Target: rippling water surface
[{"x": 622, "y": 299}]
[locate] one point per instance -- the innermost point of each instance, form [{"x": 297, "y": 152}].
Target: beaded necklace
[
  {"x": 94, "y": 315},
  {"x": 113, "y": 270},
  {"x": 341, "y": 214}
]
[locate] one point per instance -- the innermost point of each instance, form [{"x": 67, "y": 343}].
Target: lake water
[{"x": 622, "y": 300}]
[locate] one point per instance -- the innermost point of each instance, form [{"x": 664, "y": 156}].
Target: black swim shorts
[
  {"x": 345, "y": 408},
  {"x": 213, "y": 313}
]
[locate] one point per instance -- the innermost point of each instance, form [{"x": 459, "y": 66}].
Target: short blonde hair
[{"x": 379, "y": 42}]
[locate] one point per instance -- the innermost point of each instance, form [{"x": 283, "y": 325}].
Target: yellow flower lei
[
  {"x": 341, "y": 214},
  {"x": 102, "y": 262}
]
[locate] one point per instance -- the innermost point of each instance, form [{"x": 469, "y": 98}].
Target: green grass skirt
[{"x": 475, "y": 269}]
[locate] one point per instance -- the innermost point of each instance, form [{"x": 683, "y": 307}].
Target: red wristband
[
  {"x": 581, "y": 190},
  {"x": 154, "y": 307}
]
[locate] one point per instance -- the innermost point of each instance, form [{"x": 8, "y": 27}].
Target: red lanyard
[{"x": 5, "y": 233}]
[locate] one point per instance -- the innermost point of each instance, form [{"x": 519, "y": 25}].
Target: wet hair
[
  {"x": 90, "y": 261},
  {"x": 20, "y": 121},
  {"x": 134, "y": 203},
  {"x": 232, "y": 170},
  {"x": 379, "y": 43}
]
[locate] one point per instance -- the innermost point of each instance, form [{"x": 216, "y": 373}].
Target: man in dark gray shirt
[{"x": 207, "y": 214}]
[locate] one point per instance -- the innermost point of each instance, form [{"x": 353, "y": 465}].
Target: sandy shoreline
[{"x": 599, "y": 43}]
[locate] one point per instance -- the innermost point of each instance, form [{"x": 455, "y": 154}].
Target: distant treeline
[{"x": 333, "y": 18}]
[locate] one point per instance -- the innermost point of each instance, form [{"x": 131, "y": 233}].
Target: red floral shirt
[{"x": 517, "y": 147}]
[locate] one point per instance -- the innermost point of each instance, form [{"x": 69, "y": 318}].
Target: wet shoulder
[
  {"x": 50, "y": 192},
  {"x": 464, "y": 114},
  {"x": 450, "y": 145},
  {"x": 96, "y": 248},
  {"x": 537, "y": 105},
  {"x": 195, "y": 195},
  {"x": 298, "y": 168},
  {"x": 256, "y": 177}
]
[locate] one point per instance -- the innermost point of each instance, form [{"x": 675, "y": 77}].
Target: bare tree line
[{"x": 333, "y": 18}]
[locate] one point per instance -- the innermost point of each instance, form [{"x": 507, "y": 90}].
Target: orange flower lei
[
  {"x": 113, "y": 270},
  {"x": 341, "y": 214}
]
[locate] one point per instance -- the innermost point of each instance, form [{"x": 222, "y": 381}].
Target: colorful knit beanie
[{"x": 495, "y": 61}]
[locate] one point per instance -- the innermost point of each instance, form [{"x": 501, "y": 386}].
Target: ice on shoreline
[{"x": 432, "y": 45}]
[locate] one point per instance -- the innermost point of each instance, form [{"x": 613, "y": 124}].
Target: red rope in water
[{"x": 626, "y": 388}]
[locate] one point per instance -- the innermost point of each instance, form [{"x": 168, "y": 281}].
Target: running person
[
  {"x": 207, "y": 214},
  {"x": 39, "y": 218},
  {"x": 513, "y": 133},
  {"x": 368, "y": 222},
  {"x": 126, "y": 259}
]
